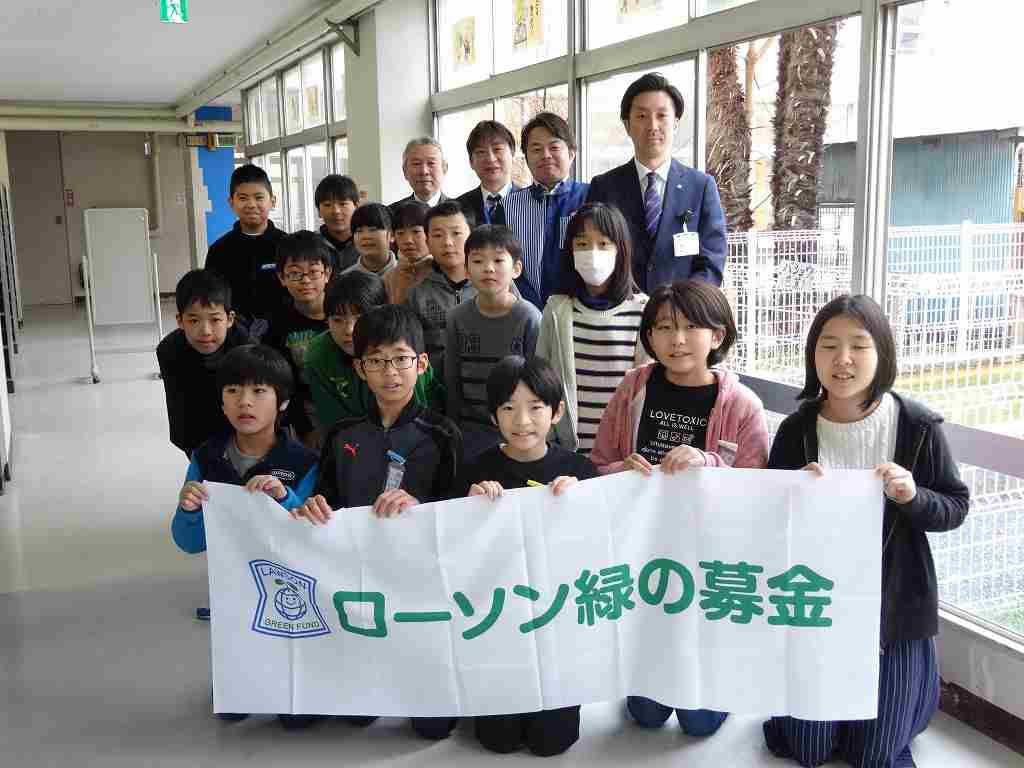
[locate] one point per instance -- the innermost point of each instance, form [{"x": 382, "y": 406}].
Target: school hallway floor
[{"x": 103, "y": 664}]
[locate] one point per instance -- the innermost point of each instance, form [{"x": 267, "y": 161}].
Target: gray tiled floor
[{"x": 102, "y": 664}]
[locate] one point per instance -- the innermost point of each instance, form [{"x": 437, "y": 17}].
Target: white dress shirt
[{"x": 662, "y": 174}]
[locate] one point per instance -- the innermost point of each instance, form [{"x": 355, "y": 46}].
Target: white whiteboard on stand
[{"x": 120, "y": 265}]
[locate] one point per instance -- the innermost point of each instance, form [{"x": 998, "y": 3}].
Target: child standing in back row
[
  {"x": 246, "y": 257},
  {"x": 592, "y": 334},
  {"x": 680, "y": 412},
  {"x": 304, "y": 268},
  {"x": 851, "y": 420},
  {"x": 337, "y": 198},
  {"x": 479, "y": 333}
]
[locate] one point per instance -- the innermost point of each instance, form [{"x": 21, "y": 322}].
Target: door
[{"x": 37, "y": 198}]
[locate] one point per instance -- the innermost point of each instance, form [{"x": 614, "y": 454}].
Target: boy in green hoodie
[{"x": 337, "y": 390}]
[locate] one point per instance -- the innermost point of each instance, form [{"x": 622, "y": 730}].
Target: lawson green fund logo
[
  {"x": 174, "y": 11},
  {"x": 287, "y": 602}
]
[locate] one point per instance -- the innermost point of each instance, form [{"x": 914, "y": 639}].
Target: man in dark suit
[
  {"x": 674, "y": 212},
  {"x": 424, "y": 167},
  {"x": 491, "y": 147}
]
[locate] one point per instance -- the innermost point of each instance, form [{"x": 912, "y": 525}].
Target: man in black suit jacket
[
  {"x": 424, "y": 167},
  {"x": 491, "y": 147},
  {"x": 678, "y": 226}
]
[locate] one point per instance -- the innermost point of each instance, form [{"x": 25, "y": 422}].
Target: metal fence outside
[{"x": 955, "y": 300}]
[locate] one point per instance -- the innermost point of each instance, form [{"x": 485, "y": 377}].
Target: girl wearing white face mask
[{"x": 591, "y": 335}]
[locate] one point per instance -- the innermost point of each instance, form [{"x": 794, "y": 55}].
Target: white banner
[{"x": 748, "y": 591}]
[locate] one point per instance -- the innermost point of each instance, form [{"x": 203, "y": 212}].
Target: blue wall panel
[{"x": 217, "y": 166}]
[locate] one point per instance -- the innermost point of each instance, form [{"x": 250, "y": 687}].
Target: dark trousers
[
  {"x": 908, "y": 695},
  {"x": 433, "y": 728},
  {"x": 694, "y": 722},
  {"x": 546, "y": 733}
]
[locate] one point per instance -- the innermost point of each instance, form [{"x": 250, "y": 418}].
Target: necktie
[
  {"x": 495, "y": 210},
  {"x": 652, "y": 205}
]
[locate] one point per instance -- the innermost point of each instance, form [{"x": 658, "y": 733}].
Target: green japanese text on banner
[{"x": 748, "y": 591}]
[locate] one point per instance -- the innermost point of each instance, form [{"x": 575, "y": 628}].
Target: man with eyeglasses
[{"x": 303, "y": 268}]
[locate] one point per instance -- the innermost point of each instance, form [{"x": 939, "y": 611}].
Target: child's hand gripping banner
[{"x": 748, "y": 591}]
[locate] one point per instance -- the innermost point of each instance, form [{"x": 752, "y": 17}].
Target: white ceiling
[{"x": 120, "y": 51}]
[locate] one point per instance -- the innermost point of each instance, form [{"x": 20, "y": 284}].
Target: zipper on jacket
[{"x": 922, "y": 433}]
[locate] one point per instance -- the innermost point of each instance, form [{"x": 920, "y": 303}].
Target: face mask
[{"x": 594, "y": 266}]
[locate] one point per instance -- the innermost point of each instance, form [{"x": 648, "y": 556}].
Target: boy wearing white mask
[{"x": 591, "y": 336}]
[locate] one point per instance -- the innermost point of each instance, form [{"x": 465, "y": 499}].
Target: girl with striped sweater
[{"x": 591, "y": 334}]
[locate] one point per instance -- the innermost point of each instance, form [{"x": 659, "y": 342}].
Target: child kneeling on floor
[
  {"x": 525, "y": 398},
  {"x": 255, "y": 383}
]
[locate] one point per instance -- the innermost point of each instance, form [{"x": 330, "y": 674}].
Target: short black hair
[
  {"x": 372, "y": 215},
  {"x": 389, "y": 324},
  {"x": 652, "y": 81},
  {"x": 865, "y": 311},
  {"x": 356, "y": 289},
  {"x": 249, "y": 174},
  {"x": 450, "y": 208},
  {"x": 703, "y": 304},
  {"x": 555, "y": 125},
  {"x": 303, "y": 247},
  {"x": 489, "y": 130},
  {"x": 535, "y": 372},
  {"x": 256, "y": 364},
  {"x": 203, "y": 286},
  {"x": 612, "y": 224},
  {"x": 409, "y": 214},
  {"x": 335, "y": 187},
  {"x": 494, "y": 236}
]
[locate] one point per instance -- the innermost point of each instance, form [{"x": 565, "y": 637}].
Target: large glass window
[
  {"x": 307, "y": 167},
  {"x": 464, "y": 48},
  {"x": 955, "y": 271},
  {"x": 781, "y": 145},
  {"x": 612, "y": 22},
  {"x": 313, "y": 91},
  {"x": 252, "y": 116},
  {"x": 293, "y": 100},
  {"x": 714, "y": 6},
  {"x": 453, "y": 130},
  {"x": 527, "y": 32},
  {"x": 268, "y": 103},
  {"x": 516, "y": 111},
  {"x": 341, "y": 155},
  {"x": 608, "y": 145},
  {"x": 338, "y": 84},
  {"x": 272, "y": 165}
]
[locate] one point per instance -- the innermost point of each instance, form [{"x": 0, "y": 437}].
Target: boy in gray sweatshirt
[{"x": 479, "y": 333}]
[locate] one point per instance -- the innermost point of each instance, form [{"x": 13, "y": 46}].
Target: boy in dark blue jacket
[
  {"x": 364, "y": 459},
  {"x": 255, "y": 382}
]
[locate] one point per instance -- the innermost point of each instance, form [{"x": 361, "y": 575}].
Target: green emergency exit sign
[{"x": 174, "y": 11}]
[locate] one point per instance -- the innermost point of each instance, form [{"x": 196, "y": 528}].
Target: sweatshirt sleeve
[
  {"x": 451, "y": 372},
  {"x": 174, "y": 394},
  {"x": 296, "y": 498},
  {"x": 324, "y": 403},
  {"x": 187, "y": 528},
  {"x": 751, "y": 438},
  {"x": 430, "y": 391},
  {"x": 326, "y": 484},
  {"x": 609, "y": 451},
  {"x": 531, "y": 330},
  {"x": 943, "y": 505},
  {"x": 546, "y": 335}
]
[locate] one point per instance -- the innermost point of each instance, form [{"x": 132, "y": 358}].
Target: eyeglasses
[
  {"x": 297, "y": 277},
  {"x": 400, "y": 363}
]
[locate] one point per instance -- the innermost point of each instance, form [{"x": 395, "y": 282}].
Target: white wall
[{"x": 388, "y": 87}]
